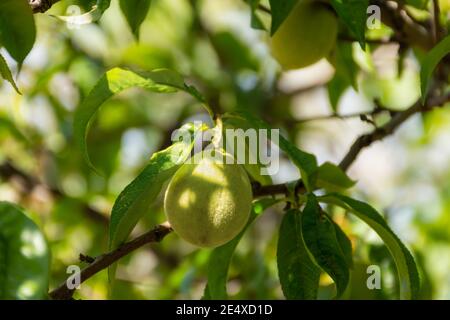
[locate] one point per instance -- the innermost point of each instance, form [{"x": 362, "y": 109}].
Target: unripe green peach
[
  {"x": 208, "y": 201},
  {"x": 307, "y": 35}
]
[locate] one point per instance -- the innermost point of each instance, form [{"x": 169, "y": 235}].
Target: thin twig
[
  {"x": 436, "y": 25},
  {"x": 388, "y": 129},
  {"x": 362, "y": 115}
]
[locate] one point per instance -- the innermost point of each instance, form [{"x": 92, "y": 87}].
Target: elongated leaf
[
  {"x": 254, "y": 170},
  {"x": 17, "y": 29},
  {"x": 320, "y": 238},
  {"x": 298, "y": 273},
  {"x": 354, "y": 15},
  {"x": 306, "y": 162},
  {"x": 336, "y": 88},
  {"x": 6, "y": 73},
  {"x": 220, "y": 258},
  {"x": 103, "y": 5},
  {"x": 330, "y": 176},
  {"x": 24, "y": 256},
  {"x": 406, "y": 267},
  {"x": 255, "y": 21},
  {"x": 280, "y": 11},
  {"x": 345, "y": 244},
  {"x": 430, "y": 62},
  {"x": 135, "y": 12},
  {"x": 115, "y": 81},
  {"x": 346, "y": 71}
]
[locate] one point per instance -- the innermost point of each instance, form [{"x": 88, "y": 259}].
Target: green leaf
[
  {"x": 430, "y": 62},
  {"x": 330, "y": 176},
  {"x": 6, "y": 73},
  {"x": 406, "y": 267},
  {"x": 255, "y": 21},
  {"x": 220, "y": 258},
  {"x": 354, "y": 15},
  {"x": 346, "y": 71},
  {"x": 280, "y": 11},
  {"x": 17, "y": 29},
  {"x": 319, "y": 234},
  {"x": 336, "y": 88},
  {"x": 134, "y": 201},
  {"x": 298, "y": 273},
  {"x": 344, "y": 243},
  {"x": 115, "y": 81},
  {"x": 254, "y": 170},
  {"x": 103, "y": 5},
  {"x": 306, "y": 162},
  {"x": 24, "y": 256},
  {"x": 135, "y": 12}
]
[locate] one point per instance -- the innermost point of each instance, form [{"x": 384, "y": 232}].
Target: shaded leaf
[
  {"x": 255, "y": 21},
  {"x": 135, "y": 12},
  {"x": 103, "y": 5},
  {"x": 406, "y": 267},
  {"x": 17, "y": 29},
  {"x": 430, "y": 62},
  {"x": 344, "y": 243},
  {"x": 354, "y": 15},
  {"x": 280, "y": 11},
  {"x": 319, "y": 234},
  {"x": 305, "y": 161},
  {"x": 254, "y": 170},
  {"x": 298, "y": 273}
]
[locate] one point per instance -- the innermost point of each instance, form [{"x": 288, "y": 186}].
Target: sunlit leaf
[
  {"x": 6, "y": 73},
  {"x": 330, "y": 176},
  {"x": 115, "y": 81},
  {"x": 24, "y": 256}
]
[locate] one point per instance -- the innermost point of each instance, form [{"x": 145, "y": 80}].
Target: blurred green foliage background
[{"x": 407, "y": 176}]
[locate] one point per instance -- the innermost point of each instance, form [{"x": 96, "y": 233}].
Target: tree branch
[
  {"x": 389, "y": 128},
  {"x": 102, "y": 262},
  {"x": 40, "y": 6},
  {"x": 395, "y": 16}
]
